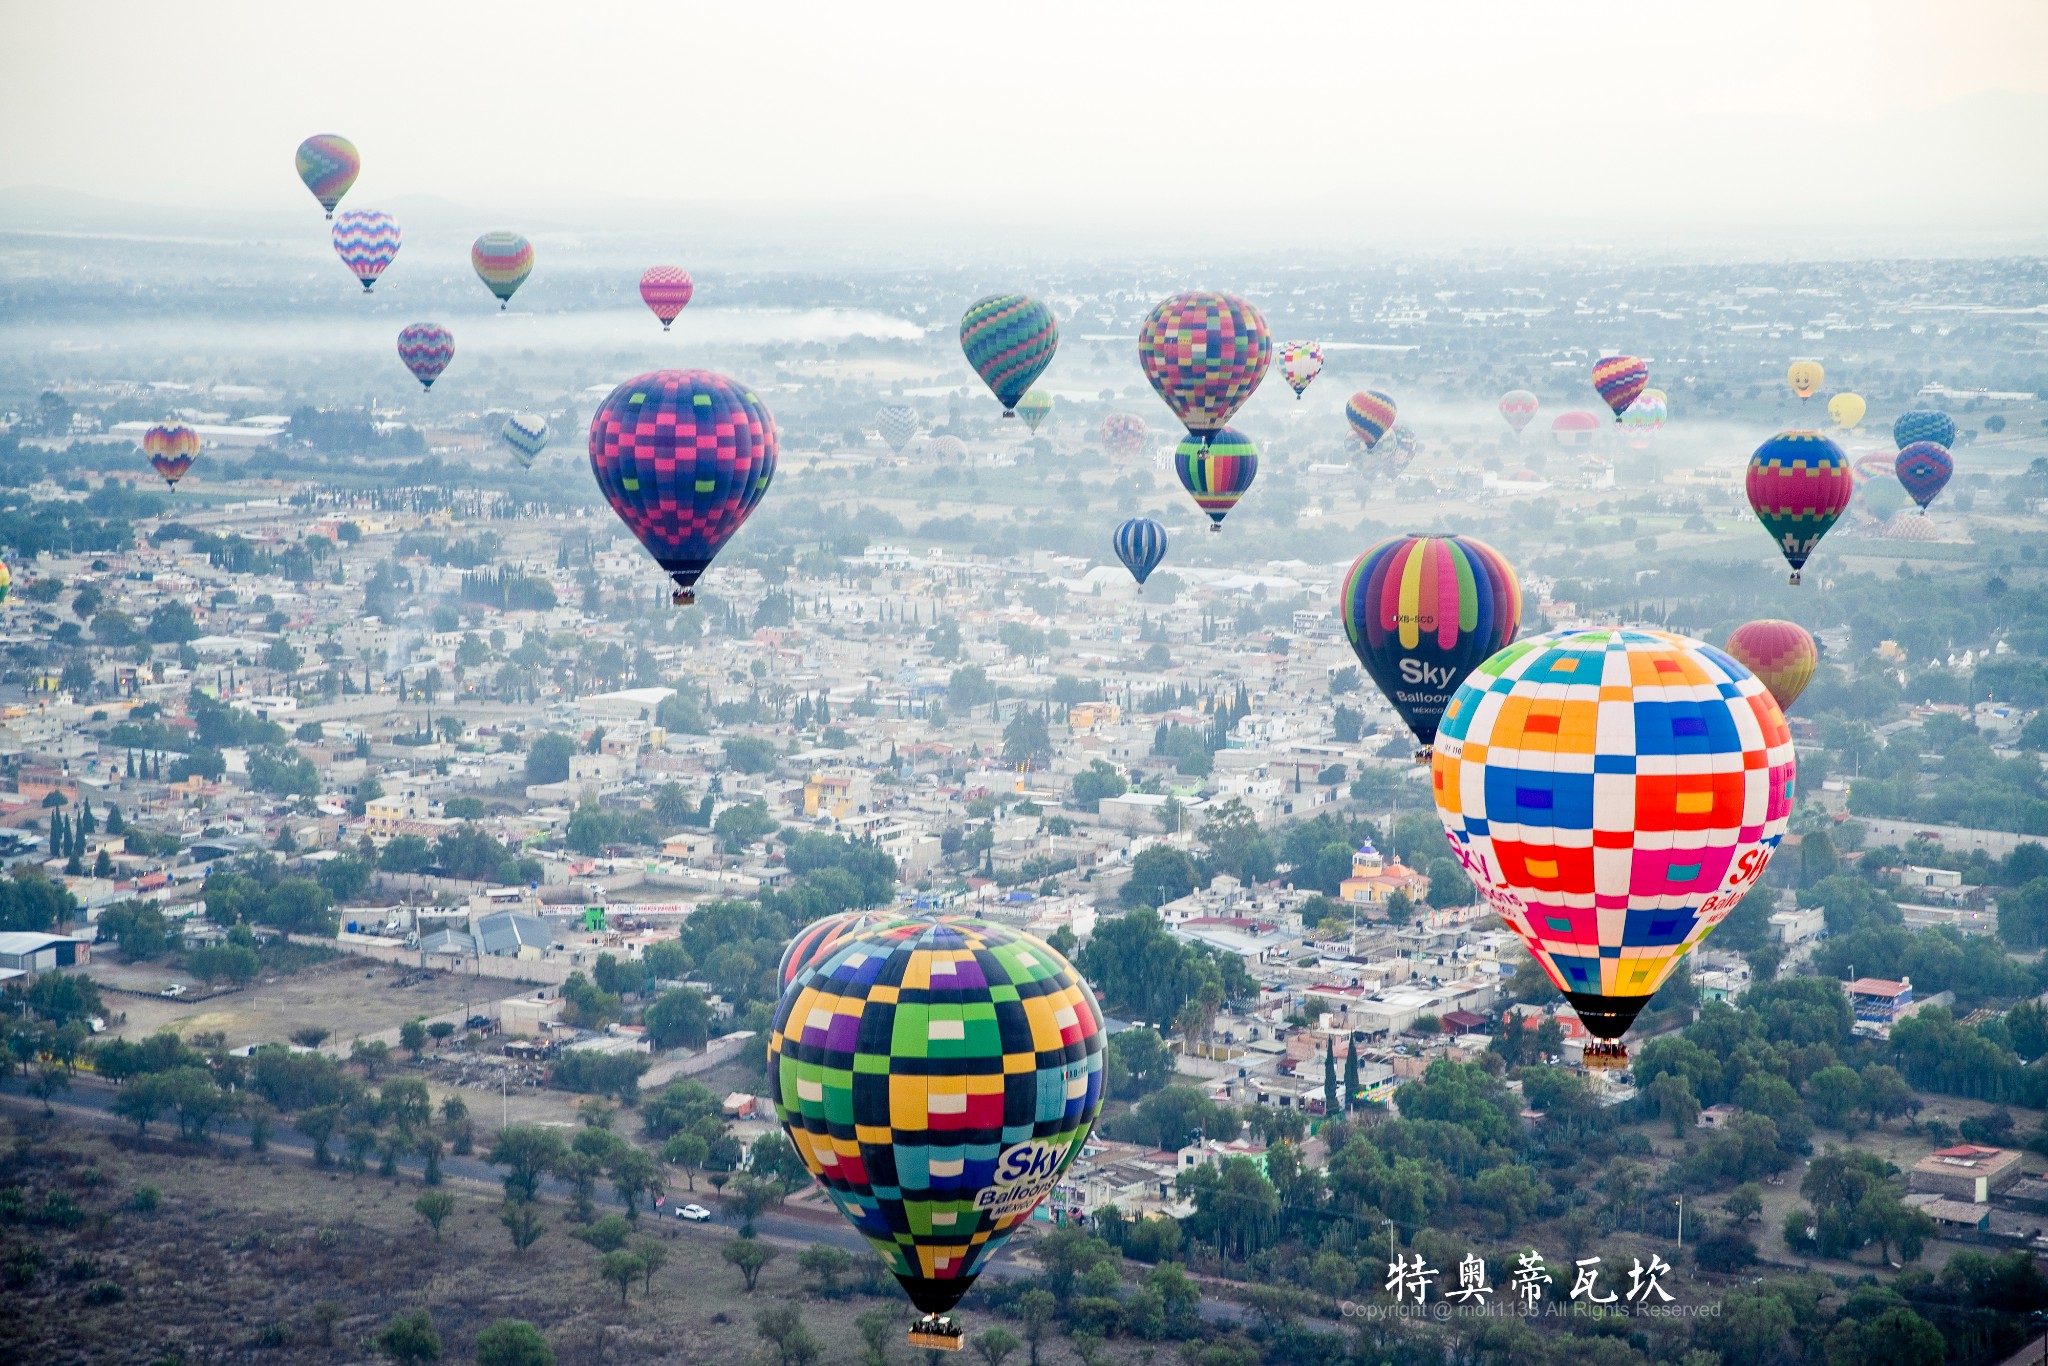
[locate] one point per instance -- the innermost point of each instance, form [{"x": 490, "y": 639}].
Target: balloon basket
[
  {"x": 1606, "y": 1057},
  {"x": 683, "y": 597},
  {"x": 1794, "y": 579},
  {"x": 937, "y": 1333},
  {"x": 1424, "y": 755}
]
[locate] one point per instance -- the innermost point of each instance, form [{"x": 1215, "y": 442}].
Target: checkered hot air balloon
[
  {"x": 1300, "y": 363},
  {"x": 329, "y": 164},
  {"x": 1518, "y": 407},
  {"x": 171, "y": 448},
  {"x": 1421, "y": 613},
  {"x": 1370, "y": 413},
  {"x": 1614, "y": 794},
  {"x": 1619, "y": 380},
  {"x": 1141, "y": 544},
  {"x": 1924, "y": 424},
  {"x": 1009, "y": 339},
  {"x": 426, "y": 349},
  {"x": 1799, "y": 485},
  {"x": 1781, "y": 653},
  {"x": 527, "y": 435},
  {"x": 666, "y": 290},
  {"x": 683, "y": 456},
  {"x": 817, "y": 939},
  {"x": 1123, "y": 434},
  {"x": 1216, "y": 470},
  {"x": 1924, "y": 469},
  {"x": 1204, "y": 354},
  {"x": 502, "y": 260},
  {"x": 937, "y": 1077},
  {"x": 898, "y": 423},
  {"x": 366, "y": 240},
  {"x": 1034, "y": 407}
]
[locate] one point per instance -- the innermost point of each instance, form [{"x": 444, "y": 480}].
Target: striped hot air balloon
[
  {"x": 366, "y": 240},
  {"x": 1799, "y": 485},
  {"x": 502, "y": 260},
  {"x": 329, "y": 164},
  {"x": 1421, "y": 612},
  {"x": 1141, "y": 544},
  {"x": 171, "y": 448},
  {"x": 1781, "y": 653},
  {"x": 1217, "y": 471},
  {"x": 1619, "y": 381},
  {"x": 1614, "y": 794},
  {"x": 1009, "y": 339},
  {"x": 527, "y": 435},
  {"x": 1924, "y": 469},
  {"x": 1300, "y": 363},
  {"x": 898, "y": 423},
  {"x": 1370, "y": 413},
  {"x": 1034, "y": 407},
  {"x": 426, "y": 349},
  {"x": 1924, "y": 424},
  {"x": 1204, "y": 354},
  {"x": 1518, "y": 407},
  {"x": 666, "y": 290}
]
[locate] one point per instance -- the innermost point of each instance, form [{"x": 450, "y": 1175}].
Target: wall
[{"x": 540, "y": 971}]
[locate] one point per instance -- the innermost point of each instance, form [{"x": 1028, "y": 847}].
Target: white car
[
  {"x": 175, "y": 989},
  {"x": 696, "y": 1214}
]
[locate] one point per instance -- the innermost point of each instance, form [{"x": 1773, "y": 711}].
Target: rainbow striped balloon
[
  {"x": 329, "y": 164},
  {"x": 502, "y": 260},
  {"x": 1781, "y": 653},
  {"x": 171, "y": 449},
  {"x": 366, "y": 240},
  {"x": 1204, "y": 353},
  {"x": 1009, "y": 339},
  {"x": 1619, "y": 380},
  {"x": 1216, "y": 470},
  {"x": 426, "y": 349},
  {"x": 1370, "y": 413},
  {"x": 1799, "y": 485},
  {"x": 1422, "y": 612},
  {"x": 666, "y": 290}
]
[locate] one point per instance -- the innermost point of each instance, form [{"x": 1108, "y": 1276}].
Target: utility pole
[{"x": 1681, "y": 1225}]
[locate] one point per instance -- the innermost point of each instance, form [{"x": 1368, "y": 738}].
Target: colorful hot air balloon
[
  {"x": 1300, "y": 363},
  {"x": 6, "y": 582},
  {"x": 1576, "y": 430},
  {"x": 1614, "y": 794},
  {"x": 937, "y": 1078},
  {"x": 683, "y": 456},
  {"x": 426, "y": 349},
  {"x": 817, "y": 939},
  {"x": 502, "y": 260},
  {"x": 1781, "y": 653},
  {"x": 1141, "y": 544},
  {"x": 1397, "y": 449},
  {"x": 897, "y": 423},
  {"x": 527, "y": 434},
  {"x": 1645, "y": 417},
  {"x": 1876, "y": 465},
  {"x": 1805, "y": 376},
  {"x": 1123, "y": 434},
  {"x": 1924, "y": 469},
  {"x": 1370, "y": 413},
  {"x": 1216, "y": 471},
  {"x": 1033, "y": 407},
  {"x": 1619, "y": 380},
  {"x": 1204, "y": 354},
  {"x": 366, "y": 240},
  {"x": 329, "y": 164},
  {"x": 171, "y": 448},
  {"x": 1846, "y": 409},
  {"x": 1924, "y": 424},
  {"x": 1422, "y": 612},
  {"x": 666, "y": 290},
  {"x": 1799, "y": 485},
  {"x": 1009, "y": 339},
  {"x": 1519, "y": 407}
]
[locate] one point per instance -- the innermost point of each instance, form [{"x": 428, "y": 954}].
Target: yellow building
[
  {"x": 1083, "y": 717},
  {"x": 1374, "y": 881}
]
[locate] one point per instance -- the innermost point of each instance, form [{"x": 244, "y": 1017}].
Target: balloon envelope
[
  {"x": 666, "y": 290},
  {"x": 1645, "y": 417},
  {"x": 502, "y": 260},
  {"x": 1781, "y": 653},
  {"x": 527, "y": 434},
  {"x": 1799, "y": 485},
  {"x": 937, "y": 1078},
  {"x": 1924, "y": 469},
  {"x": 1846, "y": 409},
  {"x": 1300, "y": 363},
  {"x": 1204, "y": 354},
  {"x": 1397, "y": 449},
  {"x": 1518, "y": 407},
  {"x": 171, "y": 449},
  {"x": 1216, "y": 471},
  {"x": 6, "y": 582},
  {"x": 1805, "y": 376},
  {"x": 1575, "y": 430},
  {"x": 1033, "y": 407},
  {"x": 1141, "y": 544},
  {"x": 1619, "y": 380},
  {"x": 426, "y": 349},
  {"x": 1009, "y": 339},
  {"x": 1923, "y": 424},
  {"x": 683, "y": 457},
  {"x": 329, "y": 164},
  {"x": 1370, "y": 413},
  {"x": 1422, "y": 612},
  {"x": 897, "y": 423},
  {"x": 365, "y": 240},
  {"x": 1123, "y": 433},
  {"x": 816, "y": 940},
  {"x": 1613, "y": 794}
]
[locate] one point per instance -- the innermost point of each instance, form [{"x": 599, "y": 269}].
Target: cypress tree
[
  {"x": 1351, "y": 1078},
  {"x": 1330, "y": 1106}
]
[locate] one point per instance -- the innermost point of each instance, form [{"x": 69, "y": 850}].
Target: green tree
[
  {"x": 512, "y": 1342},
  {"x": 825, "y": 1264},
  {"x": 1100, "y": 779},
  {"x": 994, "y": 1345},
  {"x": 528, "y": 1152},
  {"x": 621, "y": 1268},
  {"x": 1159, "y": 874},
  {"x": 748, "y": 1255},
  {"x": 434, "y": 1207},
  {"x": 547, "y": 761},
  {"x": 781, "y": 1326},
  {"x": 410, "y": 1337},
  {"x": 1835, "y": 1093}
]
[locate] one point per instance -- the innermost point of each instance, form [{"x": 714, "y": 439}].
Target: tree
[
  {"x": 512, "y": 1342},
  {"x": 528, "y": 1151},
  {"x": 1884, "y": 1093},
  {"x": 50, "y": 1079},
  {"x": 1744, "y": 1203},
  {"x": 1236, "y": 844},
  {"x": 1834, "y": 1093},
  {"x": 548, "y": 760},
  {"x": 434, "y": 1207},
  {"x": 634, "y": 1175},
  {"x": 410, "y": 1337},
  {"x": 782, "y": 1327},
  {"x": 994, "y": 1345},
  {"x": 877, "y": 1327},
  {"x": 412, "y": 1036},
  {"x": 1025, "y": 740},
  {"x": 688, "y": 1151},
  {"x": 1100, "y": 779},
  {"x": 1137, "y": 1063},
  {"x": 621, "y": 1268},
  {"x": 678, "y": 1019},
  {"x": 653, "y": 1255},
  {"x": 1159, "y": 874},
  {"x": 522, "y": 1224},
  {"x": 825, "y": 1264},
  {"x": 749, "y": 1255},
  {"x": 1448, "y": 885}
]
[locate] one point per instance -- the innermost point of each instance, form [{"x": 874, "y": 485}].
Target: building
[
  {"x": 28, "y": 952},
  {"x": 1374, "y": 881},
  {"x": 628, "y": 704},
  {"x": 1965, "y": 1172},
  {"x": 510, "y": 934},
  {"x": 1796, "y": 926},
  {"x": 1878, "y": 1003}
]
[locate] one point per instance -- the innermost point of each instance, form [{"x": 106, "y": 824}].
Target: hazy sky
[{"x": 1420, "y": 120}]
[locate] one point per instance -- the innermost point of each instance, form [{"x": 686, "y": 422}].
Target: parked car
[
  {"x": 696, "y": 1214},
  {"x": 174, "y": 989}
]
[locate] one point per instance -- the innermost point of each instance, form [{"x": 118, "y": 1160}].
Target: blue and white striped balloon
[
  {"x": 527, "y": 434},
  {"x": 1141, "y": 544}
]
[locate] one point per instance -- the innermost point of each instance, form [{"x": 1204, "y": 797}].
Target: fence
[{"x": 537, "y": 971}]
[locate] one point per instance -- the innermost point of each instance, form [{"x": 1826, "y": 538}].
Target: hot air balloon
[
  {"x": 1645, "y": 417},
  {"x": 366, "y": 240},
  {"x": 1123, "y": 434},
  {"x": 1613, "y": 794},
  {"x": 1216, "y": 471},
  {"x": 1846, "y": 409},
  {"x": 1799, "y": 484},
  {"x": 527, "y": 434},
  {"x": 816, "y": 940},
  {"x": 1924, "y": 469},
  {"x": 1033, "y": 407},
  {"x": 897, "y": 423},
  {"x": 1141, "y": 544},
  {"x": 171, "y": 448},
  {"x": 329, "y": 164},
  {"x": 6, "y": 582},
  {"x": 1781, "y": 653},
  {"x": 1576, "y": 430},
  {"x": 1205, "y": 354},
  {"x": 1009, "y": 339},
  {"x": 1422, "y": 612},
  {"x": 1519, "y": 407},
  {"x": 1924, "y": 424},
  {"x": 942, "y": 448},
  {"x": 1397, "y": 449},
  {"x": 1370, "y": 413},
  {"x": 1300, "y": 363},
  {"x": 1805, "y": 376},
  {"x": 665, "y": 290},
  {"x": 937, "y": 1078},
  {"x": 426, "y": 349},
  {"x": 683, "y": 456},
  {"x": 1619, "y": 380},
  {"x": 502, "y": 260}
]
